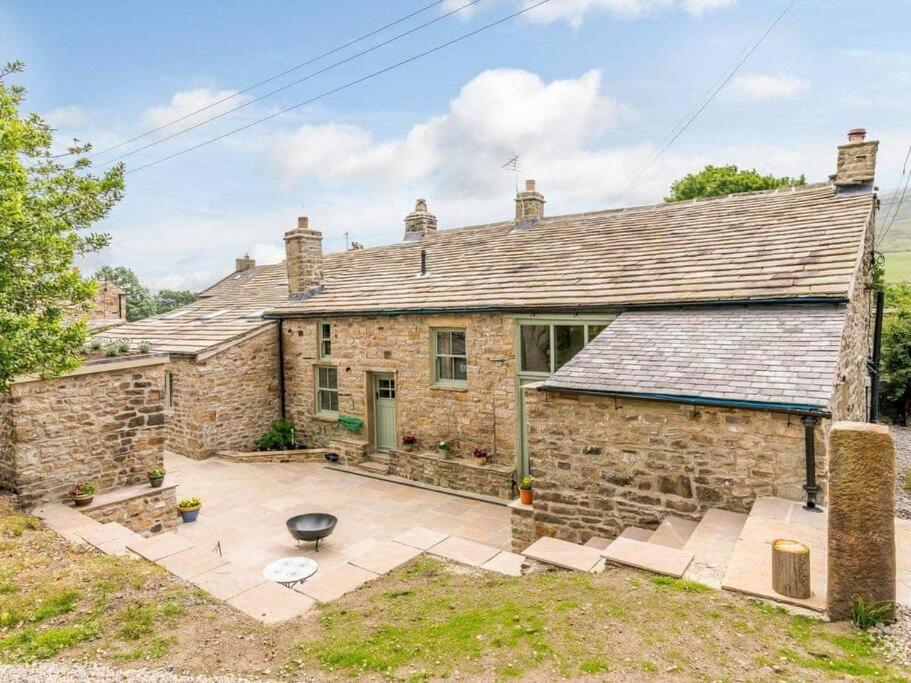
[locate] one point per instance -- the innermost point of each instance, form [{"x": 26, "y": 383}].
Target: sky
[{"x": 584, "y": 92}]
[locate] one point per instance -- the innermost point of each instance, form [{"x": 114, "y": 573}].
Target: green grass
[
  {"x": 680, "y": 585},
  {"x": 898, "y": 266},
  {"x": 32, "y": 645}
]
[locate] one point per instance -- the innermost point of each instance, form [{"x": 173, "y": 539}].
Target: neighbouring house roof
[
  {"x": 785, "y": 355},
  {"x": 228, "y": 311},
  {"x": 803, "y": 242}
]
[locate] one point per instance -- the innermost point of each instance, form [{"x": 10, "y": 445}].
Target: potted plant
[
  {"x": 82, "y": 493},
  {"x": 445, "y": 448},
  {"x": 525, "y": 494},
  {"x": 156, "y": 477},
  {"x": 409, "y": 441},
  {"x": 480, "y": 455},
  {"x": 189, "y": 508}
]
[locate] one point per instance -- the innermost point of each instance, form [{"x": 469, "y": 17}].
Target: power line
[
  {"x": 340, "y": 88},
  {"x": 689, "y": 118},
  {"x": 271, "y": 78},
  {"x": 288, "y": 85},
  {"x": 897, "y": 204}
]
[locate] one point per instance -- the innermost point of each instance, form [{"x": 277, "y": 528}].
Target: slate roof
[
  {"x": 768, "y": 354},
  {"x": 779, "y": 244},
  {"x": 228, "y": 310}
]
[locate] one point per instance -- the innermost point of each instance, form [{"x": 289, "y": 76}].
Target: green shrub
[
  {"x": 864, "y": 614},
  {"x": 95, "y": 344},
  {"x": 144, "y": 347},
  {"x": 279, "y": 437}
]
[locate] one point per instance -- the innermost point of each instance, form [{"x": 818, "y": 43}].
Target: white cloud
[
  {"x": 195, "y": 281},
  {"x": 265, "y": 253},
  {"x": 66, "y": 117},
  {"x": 574, "y": 11},
  {"x": 753, "y": 87},
  {"x": 185, "y": 102}
]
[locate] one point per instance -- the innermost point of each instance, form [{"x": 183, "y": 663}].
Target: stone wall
[
  {"x": 601, "y": 464},
  {"x": 850, "y": 399},
  {"x": 109, "y": 303},
  {"x": 480, "y": 414},
  {"x": 102, "y": 424},
  {"x": 226, "y": 401},
  {"x": 142, "y": 509},
  {"x": 461, "y": 474}
]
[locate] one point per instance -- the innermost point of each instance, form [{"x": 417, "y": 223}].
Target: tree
[
  {"x": 169, "y": 299},
  {"x": 140, "y": 301},
  {"x": 47, "y": 203},
  {"x": 895, "y": 364},
  {"x": 715, "y": 181}
]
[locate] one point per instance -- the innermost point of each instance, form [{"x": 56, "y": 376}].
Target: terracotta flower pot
[
  {"x": 82, "y": 501},
  {"x": 526, "y": 496}
]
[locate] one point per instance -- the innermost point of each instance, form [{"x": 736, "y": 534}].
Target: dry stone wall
[
  {"x": 226, "y": 401},
  {"x": 105, "y": 427},
  {"x": 480, "y": 414},
  {"x": 601, "y": 464}
]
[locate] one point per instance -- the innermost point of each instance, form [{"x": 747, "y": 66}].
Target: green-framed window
[
  {"x": 326, "y": 390},
  {"x": 325, "y": 340},
  {"x": 450, "y": 357}
]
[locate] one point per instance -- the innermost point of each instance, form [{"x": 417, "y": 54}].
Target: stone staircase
[{"x": 377, "y": 463}]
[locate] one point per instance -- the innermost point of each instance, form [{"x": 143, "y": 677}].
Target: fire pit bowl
[{"x": 311, "y": 527}]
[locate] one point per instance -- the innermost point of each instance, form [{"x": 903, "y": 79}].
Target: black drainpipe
[
  {"x": 281, "y": 368},
  {"x": 873, "y": 365},
  {"x": 811, "y": 488}
]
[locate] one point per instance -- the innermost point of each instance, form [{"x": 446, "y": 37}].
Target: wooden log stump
[{"x": 791, "y": 568}]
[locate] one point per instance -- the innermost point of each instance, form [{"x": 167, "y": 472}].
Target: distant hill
[{"x": 899, "y": 236}]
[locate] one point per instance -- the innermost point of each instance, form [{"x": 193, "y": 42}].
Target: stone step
[
  {"x": 379, "y": 456},
  {"x": 637, "y": 533},
  {"x": 378, "y": 467},
  {"x": 564, "y": 554},
  {"x": 673, "y": 532},
  {"x": 652, "y": 557},
  {"x": 712, "y": 544}
]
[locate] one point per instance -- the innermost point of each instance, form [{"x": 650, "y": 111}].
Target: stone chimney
[
  {"x": 304, "y": 259},
  {"x": 856, "y": 160},
  {"x": 419, "y": 222},
  {"x": 244, "y": 263},
  {"x": 529, "y": 204}
]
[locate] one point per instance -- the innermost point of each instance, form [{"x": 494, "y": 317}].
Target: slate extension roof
[
  {"x": 765, "y": 354},
  {"x": 227, "y": 311},
  {"x": 802, "y": 242}
]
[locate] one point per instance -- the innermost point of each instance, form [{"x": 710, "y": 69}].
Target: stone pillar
[{"x": 861, "y": 516}]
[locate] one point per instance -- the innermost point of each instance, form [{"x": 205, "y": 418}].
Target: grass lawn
[
  {"x": 898, "y": 266},
  {"x": 426, "y": 620}
]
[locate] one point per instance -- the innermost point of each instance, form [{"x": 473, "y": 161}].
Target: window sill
[
  {"x": 325, "y": 417},
  {"x": 450, "y": 387}
]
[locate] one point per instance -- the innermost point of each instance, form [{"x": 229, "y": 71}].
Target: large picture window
[
  {"x": 546, "y": 347},
  {"x": 326, "y": 390},
  {"x": 450, "y": 357}
]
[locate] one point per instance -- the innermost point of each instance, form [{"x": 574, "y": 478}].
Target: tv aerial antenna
[{"x": 513, "y": 165}]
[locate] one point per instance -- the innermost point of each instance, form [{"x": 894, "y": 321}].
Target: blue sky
[{"x": 583, "y": 91}]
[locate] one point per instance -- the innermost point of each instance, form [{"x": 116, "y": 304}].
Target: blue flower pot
[{"x": 189, "y": 515}]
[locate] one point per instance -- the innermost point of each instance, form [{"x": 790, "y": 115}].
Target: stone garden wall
[
  {"x": 480, "y": 414},
  {"x": 103, "y": 424},
  {"x": 140, "y": 508},
  {"x": 226, "y": 401},
  {"x": 461, "y": 474},
  {"x": 601, "y": 464}
]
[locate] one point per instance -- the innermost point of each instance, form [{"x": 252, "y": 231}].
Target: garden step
[
  {"x": 378, "y": 467},
  {"x": 637, "y": 533},
  {"x": 652, "y": 557},
  {"x": 379, "y": 456},
  {"x": 564, "y": 554},
  {"x": 712, "y": 544},
  {"x": 673, "y": 532}
]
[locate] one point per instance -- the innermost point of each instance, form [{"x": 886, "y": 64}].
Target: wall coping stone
[
  {"x": 122, "y": 494},
  {"x": 464, "y": 462},
  {"x": 103, "y": 365}
]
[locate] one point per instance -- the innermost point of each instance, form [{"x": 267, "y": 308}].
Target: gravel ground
[
  {"x": 896, "y": 641},
  {"x": 902, "y": 438},
  {"x": 59, "y": 672}
]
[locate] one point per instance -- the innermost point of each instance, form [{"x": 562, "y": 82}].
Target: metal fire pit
[{"x": 311, "y": 527}]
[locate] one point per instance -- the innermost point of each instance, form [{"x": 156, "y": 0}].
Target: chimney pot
[
  {"x": 530, "y": 185},
  {"x": 420, "y": 222},
  {"x": 857, "y": 135},
  {"x": 304, "y": 259},
  {"x": 244, "y": 263}
]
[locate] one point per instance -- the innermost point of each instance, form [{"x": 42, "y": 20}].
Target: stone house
[
  {"x": 109, "y": 307},
  {"x": 221, "y": 384}
]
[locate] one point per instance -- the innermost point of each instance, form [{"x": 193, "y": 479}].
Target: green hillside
[
  {"x": 898, "y": 238},
  {"x": 898, "y": 266}
]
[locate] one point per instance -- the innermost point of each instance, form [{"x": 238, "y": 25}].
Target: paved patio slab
[
  {"x": 505, "y": 562},
  {"x": 385, "y": 556},
  {"x": 96, "y": 534},
  {"x": 673, "y": 532},
  {"x": 652, "y": 557},
  {"x": 157, "y": 547},
  {"x": 228, "y": 580},
  {"x": 331, "y": 585},
  {"x": 271, "y": 603},
  {"x": 419, "y": 537},
  {"x": 464, "y": 551},
  {"x": 192, "y": 562},
  {"x": 563, "y": 554}
]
